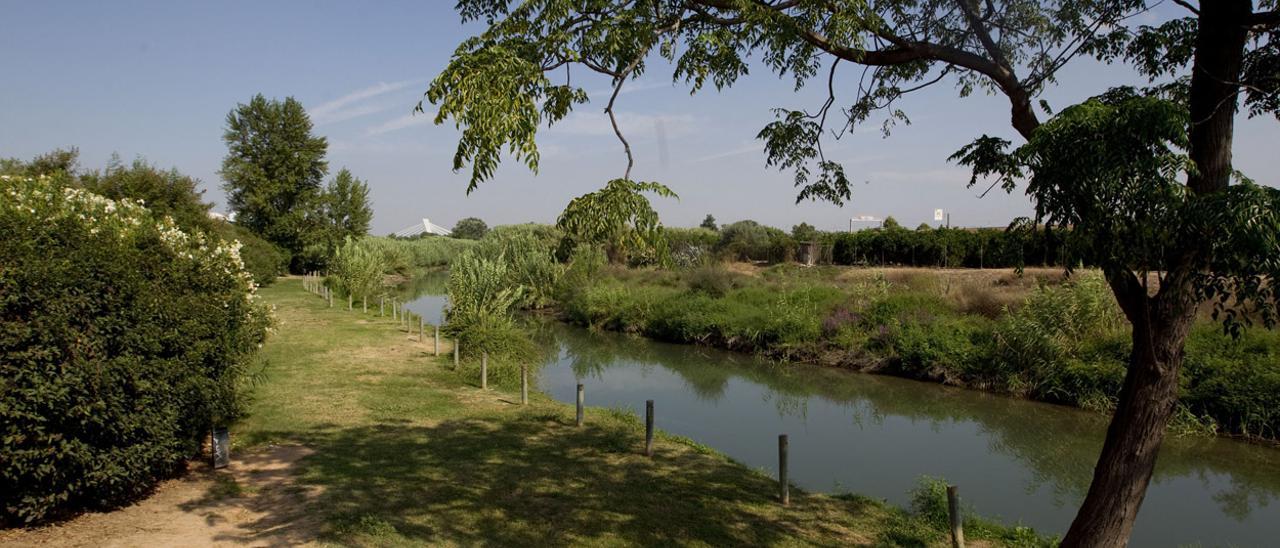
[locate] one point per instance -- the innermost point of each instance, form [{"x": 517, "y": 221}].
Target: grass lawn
[{"x": 407, "y": 452}]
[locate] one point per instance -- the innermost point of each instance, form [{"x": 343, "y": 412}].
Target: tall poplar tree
[
  {"x": 347, "y": 213},
  {"x": 273, "y": 170}
]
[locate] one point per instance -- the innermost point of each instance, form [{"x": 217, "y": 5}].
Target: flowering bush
[{"x": 124, "y": 339}]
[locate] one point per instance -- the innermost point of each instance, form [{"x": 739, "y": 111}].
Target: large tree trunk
[
  {"x": 1146, "y": 404},
  {"x": 1161, "y": 323}
]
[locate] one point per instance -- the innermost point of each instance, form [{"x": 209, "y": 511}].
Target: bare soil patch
[{"x": 253, "y": 502}]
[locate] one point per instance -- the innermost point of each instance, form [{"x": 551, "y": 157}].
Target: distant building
[{"x": 228, "y": 217}]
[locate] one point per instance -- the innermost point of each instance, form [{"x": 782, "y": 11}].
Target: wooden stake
[
  {"x": 957, "y": 523},
  {"x": 437, "y": 352},
  {"x": 580, "y": 401},
  {"x": 524, "y": 384},
  {"x": 648, "y": 428},
  {"x": 784, "y": 491},
  {"x": 484, "y": 371}
]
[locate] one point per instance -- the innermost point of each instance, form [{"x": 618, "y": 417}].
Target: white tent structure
[{"x": 426, "y": 227}]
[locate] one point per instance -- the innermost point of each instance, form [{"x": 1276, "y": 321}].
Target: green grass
[{"x": 409, "y": 452}]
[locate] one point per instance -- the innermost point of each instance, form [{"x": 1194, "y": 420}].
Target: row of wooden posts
[{"x": 315, "y": 284}]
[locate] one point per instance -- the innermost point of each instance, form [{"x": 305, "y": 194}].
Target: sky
[{"x": 157, "y": 79}]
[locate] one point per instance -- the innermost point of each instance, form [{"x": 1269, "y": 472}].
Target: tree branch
[
  {"x": 1187, "y": 5},
  {"x": 1263, "y": 21}
]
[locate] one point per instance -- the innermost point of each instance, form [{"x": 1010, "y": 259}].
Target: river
[{"x": 1015, "y": 460}]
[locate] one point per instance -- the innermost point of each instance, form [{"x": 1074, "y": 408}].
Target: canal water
[{"x": 1015, "y": 460}]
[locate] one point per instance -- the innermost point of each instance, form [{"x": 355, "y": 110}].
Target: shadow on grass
[{"x": 535, "y": 480}]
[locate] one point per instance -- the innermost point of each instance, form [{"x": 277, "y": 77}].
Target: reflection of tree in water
[{"x": 1057, "y": 445}]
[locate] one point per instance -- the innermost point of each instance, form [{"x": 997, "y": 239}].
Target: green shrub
[
  {"x": 752, "y": 241},
  {"x": 1234, "y": 382},
  {"x": 713, "y": 279},
  {"x": 1037, "y": 342},
  {"x": 357, "y": 267},
  {"x": 261, "y": 258},
  {"x": 124, "y": 340}
]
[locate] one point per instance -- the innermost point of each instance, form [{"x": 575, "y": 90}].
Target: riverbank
[
  {"x": 399, "y": 449},
  {"x": 1026, "y": 335}
]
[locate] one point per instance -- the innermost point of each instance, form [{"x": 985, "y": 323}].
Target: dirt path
[{"x": 254, "y": 502}]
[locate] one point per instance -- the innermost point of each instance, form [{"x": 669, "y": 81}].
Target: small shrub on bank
[
  {"x": 261, "y": 258},
  {"x": 124, "y": 340}
]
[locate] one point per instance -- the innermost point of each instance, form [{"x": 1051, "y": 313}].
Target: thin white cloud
[
  {"x": 632, "y": 124},
  {"x": 337, "y": 111},
  {"x": 402, "y": 122},
  {"x": 745, "y": 149}
]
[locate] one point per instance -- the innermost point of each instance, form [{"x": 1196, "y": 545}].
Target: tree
[
  {"x": 273, "y": 170},
  {"x": 709, "y": 223},
  {"x": 1205, "y": 64},
  {"x": 890, "y": 223},
  {"x": 346, "y": 208},
  {"x": 620, "y": 218},
  {"x": 163, "y": 192},
  {"x": 804, "y": 232},
  {"x": 61, "y": 161},
  {"x": 470, "y": 228}
]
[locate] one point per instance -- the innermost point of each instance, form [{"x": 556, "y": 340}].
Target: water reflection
[
  {"x": 425, "y": 295},
  {"x": 1024, "y": 461}
]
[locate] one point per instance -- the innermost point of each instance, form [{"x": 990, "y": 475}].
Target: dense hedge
[
  {"x": 950, "y": 247},
  {"x": 891, "y": 245},
  {"x": 124, "y": 339}
]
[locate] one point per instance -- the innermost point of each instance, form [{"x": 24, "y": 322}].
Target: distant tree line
[{"x": 889, "y": 245}]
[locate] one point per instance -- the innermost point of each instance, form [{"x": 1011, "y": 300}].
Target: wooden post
[
  {"x": 220, "y": 447},
  {"x": 456, "y": 346},
  {"x": 350, "y": 297},
  {"x": 382, "y": 306},
  {"x": 957, "y": 523},
  {"x": 648, "y": 428},
  {"x": 422, "y": 329},
  {"x": 784, "y": 491},
  {"x": 328, "y": 295},
  {"x": 484, "y": 371},
  {"x": 580, "y": 400},
  {"x": 364, "y": 305},
  {"x": 395, "y": 312},
  {"x": 524, "y": 384},
  {"x": 437, "y": 352}
]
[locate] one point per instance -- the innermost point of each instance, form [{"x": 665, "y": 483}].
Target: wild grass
[{"x": 409, "y": 452}]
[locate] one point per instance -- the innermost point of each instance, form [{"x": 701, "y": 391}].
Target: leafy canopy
[
  {"x": 620, "y": 217},
  {"x": 1110, "y": 172},
  {"x": 273, "y": 170},
  {"x": 346, "y": 209},
  {"x": 499, "y": 88},
  {"x": 470, "y": 228}
]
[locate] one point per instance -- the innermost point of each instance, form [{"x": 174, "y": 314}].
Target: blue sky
[{"x": 156, "y": 79}]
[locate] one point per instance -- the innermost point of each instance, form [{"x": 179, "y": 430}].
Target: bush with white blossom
[{"x": 123, "y": 341}]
